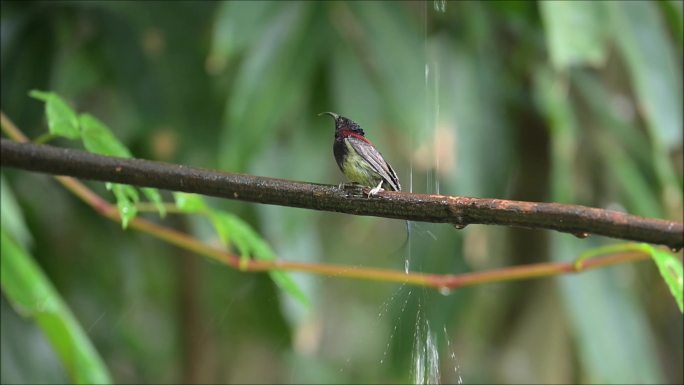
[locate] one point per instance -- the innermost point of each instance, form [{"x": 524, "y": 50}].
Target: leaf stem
[{"x": 46, "y": 137}]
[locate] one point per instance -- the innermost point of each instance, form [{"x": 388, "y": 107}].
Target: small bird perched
[{"x": 358, "y": 158}]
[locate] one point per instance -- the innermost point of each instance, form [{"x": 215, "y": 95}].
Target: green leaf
[
  {"x": 671, "y": 270},
  {"x": 602, "y": 316},
  {"x": 238, "y": 23},
  {"x": 551, "y": 97},
  {"x": 388, "y": 28},
  {"x": 11, "y": 216},
  {"x": 155, "y": 197},
  {"x": 673, "y": 10},
  {"x": 62, "y": 120},
  {"x": 575, "y": 32},
  {"x": 98, "y": 138},
  {"x": 669, "y": 265},
  {"x": 640, "y": 198},
  {"x": 652, "y": 64},
  {"x": 32, "y": 295},
  {"x": 286, "y": 283},
  {"x": 189, "y": 203},
  {"x": 280, "y": 63},
  {"x": 232, "y": 229},
  {"x": 126, "y": 199}
]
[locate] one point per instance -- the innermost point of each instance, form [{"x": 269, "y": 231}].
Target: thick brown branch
[{"x": 459, "y": 211}]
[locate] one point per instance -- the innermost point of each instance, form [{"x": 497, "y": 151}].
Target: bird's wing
[{"x": 368, "y": 152}]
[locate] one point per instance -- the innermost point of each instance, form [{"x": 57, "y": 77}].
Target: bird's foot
[{"x": 375, "y": 190}]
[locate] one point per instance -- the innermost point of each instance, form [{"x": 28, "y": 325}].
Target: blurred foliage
[
  {"x": 232, "y": 230},
  {"x": 32, "y": 295},
  {"x": 97, "y": 138},
  {"x": 555, "y": 101}
]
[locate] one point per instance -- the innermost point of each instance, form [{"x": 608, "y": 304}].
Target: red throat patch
[{"x": 351, "y": 134}]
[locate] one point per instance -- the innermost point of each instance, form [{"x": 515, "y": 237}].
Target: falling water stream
[
  {"x": 425, "y": 351},
  {"x": 433, "y": 357}
]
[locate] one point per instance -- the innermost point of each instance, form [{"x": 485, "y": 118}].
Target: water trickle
[
  {"x": 425, "y": 354},
  {"x": 439, "y": 6},
  {"x": 452, "y": 356},
  {"x": 384, "y": 309},
  {"x": 432, "y": 358}
]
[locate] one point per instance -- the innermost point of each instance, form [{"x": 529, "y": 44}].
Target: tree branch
[
  {"x": 460, "y": 211},
  {"x": 609, "y": 255}
]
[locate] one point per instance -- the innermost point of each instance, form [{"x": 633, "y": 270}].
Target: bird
[
  {"x": 358, "y": 159},
  {"x": 361, "y": 162}
]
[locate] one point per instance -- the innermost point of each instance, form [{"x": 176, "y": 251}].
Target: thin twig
[{"x": 460, "y": 211}]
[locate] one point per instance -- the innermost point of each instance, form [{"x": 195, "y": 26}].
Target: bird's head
[{"x": 343, "y": 124}]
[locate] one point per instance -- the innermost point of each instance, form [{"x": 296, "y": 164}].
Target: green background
[{"x": 576, "y": 102}]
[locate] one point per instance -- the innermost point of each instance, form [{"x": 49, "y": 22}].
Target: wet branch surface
[{"x": 459, "y": 211}]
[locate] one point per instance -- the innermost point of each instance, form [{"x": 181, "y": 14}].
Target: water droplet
[
  {"x": 459, "y": 226},
  {"x": 444, "y": 290},
  {"x": 581, "y": 235},
  {"x": 382, "y": 361},
  {"x": 676, "y": 249},
  {"x": 406, "y": 266}
]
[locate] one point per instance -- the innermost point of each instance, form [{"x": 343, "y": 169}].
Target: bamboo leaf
[
  {"x": 657, "y": 81},
  {"x": 575, "y": 32}
]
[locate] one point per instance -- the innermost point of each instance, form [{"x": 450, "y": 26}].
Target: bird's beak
[{"x": 334, "y": 115}]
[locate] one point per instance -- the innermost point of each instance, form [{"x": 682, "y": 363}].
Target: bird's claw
[{"x": 375, "y": 190}]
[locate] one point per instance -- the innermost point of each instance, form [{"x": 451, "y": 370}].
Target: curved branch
[{"x": 459, "y": 211}]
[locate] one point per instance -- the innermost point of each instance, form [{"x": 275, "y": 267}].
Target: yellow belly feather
[{"x": 357, "y": 170}]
